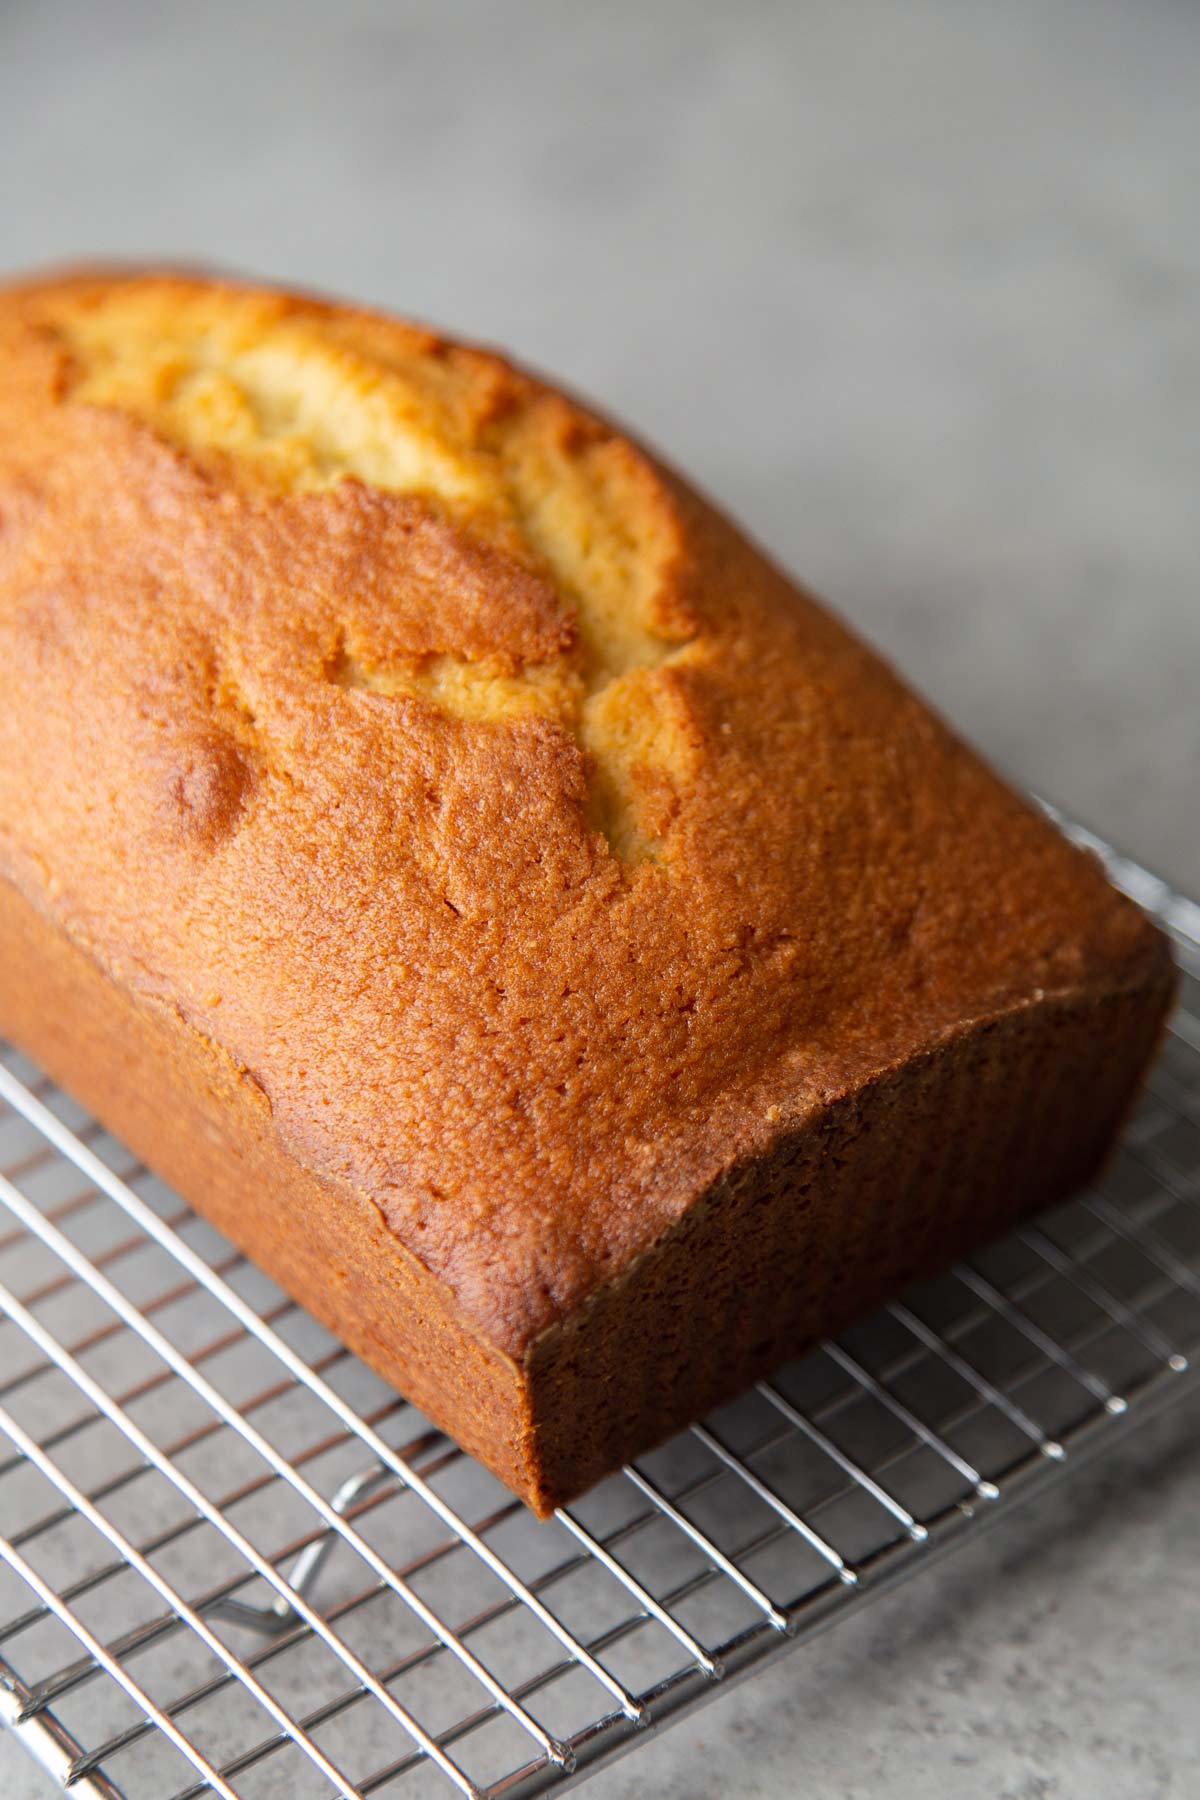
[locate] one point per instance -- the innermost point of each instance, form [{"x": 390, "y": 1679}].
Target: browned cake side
[{"x": 536, "y": 932}]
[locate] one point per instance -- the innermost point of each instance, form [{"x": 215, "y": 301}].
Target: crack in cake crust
[{"x": 282, "y": 401}]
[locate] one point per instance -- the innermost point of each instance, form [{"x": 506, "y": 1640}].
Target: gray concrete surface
[{"x": 914, "y": 290}]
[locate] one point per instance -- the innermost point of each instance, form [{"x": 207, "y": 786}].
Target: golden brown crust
[
  {"x": 541, "y": 852},
  {"x": 886, "y": 1184}
]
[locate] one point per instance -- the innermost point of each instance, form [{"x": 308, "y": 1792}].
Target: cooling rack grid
[{"x": 234, "y": 1562}]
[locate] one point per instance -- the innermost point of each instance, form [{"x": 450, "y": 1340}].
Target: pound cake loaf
[{"x": 519, "y": 917}]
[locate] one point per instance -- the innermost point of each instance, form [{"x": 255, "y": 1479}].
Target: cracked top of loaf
[{"x": 530, "y": 846}]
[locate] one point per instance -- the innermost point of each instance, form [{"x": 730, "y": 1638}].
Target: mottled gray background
[{"x": 913, "y": 289}]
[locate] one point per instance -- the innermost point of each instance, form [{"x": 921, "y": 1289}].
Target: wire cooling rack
[{"x": 234, "y": 1562}]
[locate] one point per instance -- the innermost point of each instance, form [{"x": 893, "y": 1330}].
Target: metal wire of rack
[{"x": 234, "y": 1562}]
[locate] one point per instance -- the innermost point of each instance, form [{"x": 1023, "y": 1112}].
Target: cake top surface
[{"x": 527, "y": 843}]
